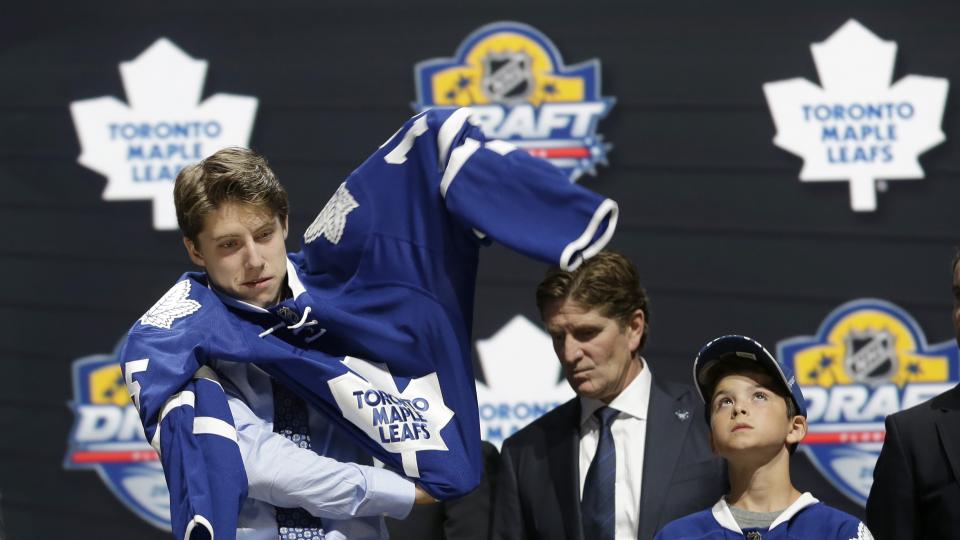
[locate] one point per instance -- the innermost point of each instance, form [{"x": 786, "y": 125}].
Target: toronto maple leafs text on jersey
[{"x": 376, "y": 333}]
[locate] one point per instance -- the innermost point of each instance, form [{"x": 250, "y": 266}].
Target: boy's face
[
  {"x": 242, "y": 249},
  {"x": 595, "y": 351},
  {"x": 746, "y": 415}
]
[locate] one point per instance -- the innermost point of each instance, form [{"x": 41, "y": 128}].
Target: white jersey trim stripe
[
  {"x": 580, "y": 249},
  {"x": 458, "y": 158},
  {"x": 448, "y": 131},
  {"x": 180, "y": 399},
  {"x": 501, "y": 147},
  {"x": 192, "y": 524},
  {"x": 208, "y": 425}
]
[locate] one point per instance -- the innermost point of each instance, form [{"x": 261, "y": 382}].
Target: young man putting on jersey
[
  {"x": 757, "y": 416},
  {"x": 369, "y": 323}
]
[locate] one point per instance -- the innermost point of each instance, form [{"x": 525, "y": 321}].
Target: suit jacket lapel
[
  {"x": 564, "y": 466},
  {"x": 948, "y": 426},
  {"x": 664, "y": 441}
]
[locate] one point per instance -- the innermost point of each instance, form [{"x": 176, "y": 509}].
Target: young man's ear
[
  {"x": 798, "y": 430},
  {"x": 286, "y": 228},
  {"x": 194, "y": 253}
]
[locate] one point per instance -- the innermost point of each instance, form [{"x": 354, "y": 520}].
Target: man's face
[
  {"x": 595, "y": 351},
  {"x": 956, "y": 301},
  {"x": 748, "y": 418},
  {"x": 242, "y": 249}
]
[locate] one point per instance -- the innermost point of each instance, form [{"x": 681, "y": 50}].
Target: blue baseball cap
[{"x": 725, "y": 347}]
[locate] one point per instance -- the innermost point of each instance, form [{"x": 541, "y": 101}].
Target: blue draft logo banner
[
  {"x": 107, "y": 437},
  {"x": 519, "y": 89},
  {"x": 869, "y": 359}
]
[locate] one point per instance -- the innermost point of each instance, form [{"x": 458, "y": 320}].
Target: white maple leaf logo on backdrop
[
  {"x": 522, "y": 374},
  {"x": 401, "y": 422},
  {"x": 141, "y": 147},
  {"x": 173, "y": 305},
  {"x": 857, "y": 127}
]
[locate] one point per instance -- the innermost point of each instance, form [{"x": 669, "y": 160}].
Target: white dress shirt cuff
[{"x": 387, "y": 493}]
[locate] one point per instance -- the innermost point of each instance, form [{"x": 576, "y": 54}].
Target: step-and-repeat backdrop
[{"x": 786, "y": 172}]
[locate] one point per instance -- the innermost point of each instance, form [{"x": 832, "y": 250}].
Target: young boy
[{"x": 757, "y": 416}]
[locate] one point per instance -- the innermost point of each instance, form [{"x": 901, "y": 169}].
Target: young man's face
[
  {"x": 242, "y": 249},
  {"x": 747, "y": 416},
  {"x": 596, "y": 352}
]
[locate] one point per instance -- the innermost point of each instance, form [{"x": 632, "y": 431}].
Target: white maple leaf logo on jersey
[
  {"x": 332, "y": 220},
  {"x": 401, "y": 422},
  {"x": 140, "y": 148},
  {"x": 863, "y": 533},
  {"x": 174, "y": 304},
  {"x": 858, "y": 127},
  {"x": 523, "y": 379}
]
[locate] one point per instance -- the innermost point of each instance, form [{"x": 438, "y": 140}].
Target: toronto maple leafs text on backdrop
[
  {"x": 858, "y": 127},
  {"x": 140, "y": 148}
]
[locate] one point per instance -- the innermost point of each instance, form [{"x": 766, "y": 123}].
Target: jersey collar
[{"x": 723, "y": 515}]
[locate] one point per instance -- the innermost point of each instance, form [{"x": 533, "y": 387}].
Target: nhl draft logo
[
  {"x": 856, "y": 126},
  {"x": 518, "y": 88},
  {"x": 142, "y": 146},
  {"x": 107, "y": 437},
  {"x": 523, "y": 379},
  {"x": 869, "y": 359}
]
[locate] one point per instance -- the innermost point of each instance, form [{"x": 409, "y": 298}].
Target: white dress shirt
[
  {"x": 629, "y": 430},
  {"x": 325, "y": 481}
]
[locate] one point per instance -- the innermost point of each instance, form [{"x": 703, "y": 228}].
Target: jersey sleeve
[
  {"x": 502, "y": 193},
  {"x": 186, "y": 419}
]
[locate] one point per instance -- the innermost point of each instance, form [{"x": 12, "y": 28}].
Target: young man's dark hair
[{"x": 232, "y": 174}]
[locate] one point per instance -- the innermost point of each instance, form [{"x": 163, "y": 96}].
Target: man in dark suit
[
  {"x": 626, "y": 456},
  {"x": 916, "y": 483}
]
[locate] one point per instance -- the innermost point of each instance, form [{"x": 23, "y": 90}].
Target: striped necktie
[{"x": 597, "y": 506}]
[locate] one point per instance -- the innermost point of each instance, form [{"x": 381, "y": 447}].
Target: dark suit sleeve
[
  {"x": 891, "y": 506},
  {"x": 507, "y": 516},
  {"x": 469, "y": 517}
]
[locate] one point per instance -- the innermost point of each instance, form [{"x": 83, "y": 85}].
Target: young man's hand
[{"x": 423, "y": 497}]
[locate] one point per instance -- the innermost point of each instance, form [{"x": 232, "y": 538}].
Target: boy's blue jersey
[
  {"x": 377, "y": 331},
  {"x": 806, "y": 518}
]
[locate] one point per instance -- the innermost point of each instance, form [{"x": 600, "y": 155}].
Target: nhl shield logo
[
  {"x": 107, "y": 437},
  {"x": 869, "y": 356},
  {"x": 869, "y": 359},
  {"x": 520, "y": 90},
  {"x": 507, "y": 77}
]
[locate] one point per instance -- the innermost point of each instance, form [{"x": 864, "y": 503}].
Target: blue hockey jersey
[
  {"x": 804, "y": 519},
  {"x": 377, "y": 332}
]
